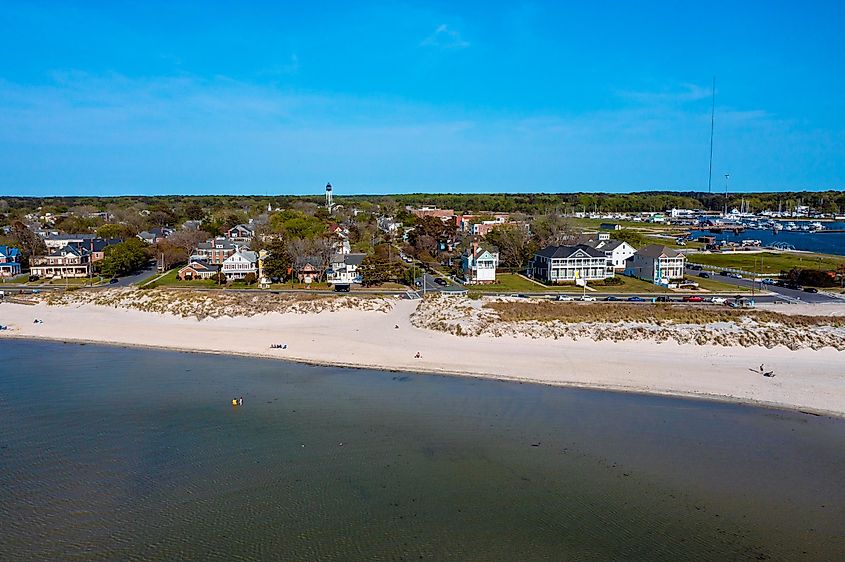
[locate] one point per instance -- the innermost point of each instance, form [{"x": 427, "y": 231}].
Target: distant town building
[
  {"x": 432, "y": 212},
  {"x": 559, "y": 264},
  {"x": 59, "y": 241},
  {"x": 610, "y": 226},
  {"x": 656, "y": 263},
  {"x": 240, "y": 233},
  {"x": 216, "y": 251}
]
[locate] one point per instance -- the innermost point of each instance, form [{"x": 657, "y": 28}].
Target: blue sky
[{"x": 106, "y": 98}]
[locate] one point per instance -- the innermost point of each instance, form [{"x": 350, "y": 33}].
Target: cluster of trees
[
  {"x": 815, "y": 277},
  {"x": 125, "y": 257}
]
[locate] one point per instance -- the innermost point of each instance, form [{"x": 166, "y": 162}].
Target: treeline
[{"x": 172, "y": 208}]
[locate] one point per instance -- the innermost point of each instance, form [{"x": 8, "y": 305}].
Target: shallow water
[{"x": 110, "y": 453}]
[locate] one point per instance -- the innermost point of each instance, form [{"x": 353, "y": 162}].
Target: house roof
[
  {"x": 354, "y": 259},
  {"x": 659, "y": 251},
  {"x": 9, "y": 252},
  {"x": 568, "y": 251},
  {"x": 199, "y": 265},
  {"x": 61, "y": 237},
  {"x": 604, "y": 245},
  {"x": 69, "y": 249},
  {"x": 96, "y": 244},
  {"x": 217, "y": 244}
]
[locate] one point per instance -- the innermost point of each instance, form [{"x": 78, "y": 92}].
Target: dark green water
[{"x": 117, "y": 454}]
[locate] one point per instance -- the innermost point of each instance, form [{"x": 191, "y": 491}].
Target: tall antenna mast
[{"x": 712, "y": 123}]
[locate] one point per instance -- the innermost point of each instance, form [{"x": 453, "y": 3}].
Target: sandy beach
[{"x": 807, "y": 380}]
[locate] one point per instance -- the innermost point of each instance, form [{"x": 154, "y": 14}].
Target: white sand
[{"x": 805, "y": 379}]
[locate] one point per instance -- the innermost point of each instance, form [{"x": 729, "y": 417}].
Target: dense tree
[
  {"x": 380, "y": 267},
  {"x": 116, "y": 230},
  {"x": 278, "y": 263},
  {"x": 29, "y": 243},
  {"x": 514, "y": 244},
  {"x": 124, "y": 258}
]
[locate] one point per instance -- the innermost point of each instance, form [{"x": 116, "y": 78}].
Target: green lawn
[
  {"x": 511, "y": 282},
  {"x": 772, "y": 262}
]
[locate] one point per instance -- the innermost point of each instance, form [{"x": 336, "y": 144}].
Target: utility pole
[
  {"x": 712, "y": 125},
  {"x": 727, "y": 177}
]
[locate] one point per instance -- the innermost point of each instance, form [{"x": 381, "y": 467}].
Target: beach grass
[{"x": 648, "y": 314}]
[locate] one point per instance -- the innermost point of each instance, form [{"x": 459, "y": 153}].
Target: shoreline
[
  {"x": 703, "y": 397},
  {"x": 807, "y": 381}
]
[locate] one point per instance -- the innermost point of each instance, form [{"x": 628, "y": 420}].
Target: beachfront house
[
  {"x": 10, "y": 261},
  {"x": 307, "y": 272},
  {"x": 197, "y": 268},
  {"x": 617, "y": 251},
  {"x": 656, "y": 263},
  {"x": 562, "y": 264},
  {"x": 70, "y": 261},
  {"x": 479, "y": 264},
  {"x": 344, "y": 268},
  {"x": 240, "y": 264}
]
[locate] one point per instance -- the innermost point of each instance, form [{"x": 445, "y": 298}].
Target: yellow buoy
[{"x": 234, "y": 401}]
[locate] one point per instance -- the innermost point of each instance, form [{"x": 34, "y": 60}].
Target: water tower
[{"x": 329, "y": 197}]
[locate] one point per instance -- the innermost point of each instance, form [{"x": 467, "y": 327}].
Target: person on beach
[{"x": 417, "y": 356}]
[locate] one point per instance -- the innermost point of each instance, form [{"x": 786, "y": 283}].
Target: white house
[
  {"x": 559, "y": 264},
  {"x": 656, "y": 263},
  {"x": 479, "y": 265},
  {"x": 617, "y": 252},
  {"x": 344, "y": 268},
  {"x": 240, "y": 264}
]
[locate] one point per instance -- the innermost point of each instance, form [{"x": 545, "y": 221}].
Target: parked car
[
  {"x": 810, "y": 290},
  {"x": 564, "y": 298},
  {"x": 793, "y": 286},
  {"x": 695, "y": 267},
  {"x": 768, "y": 281},
  {"x": 113, "y": 280},
  {"x": 693, "y": 298},
  {"x": 341, "y": 287},
  {"x": 718, "y": 300},
  {"x": 662, "y": 298},
  {"x": 34, "y": 278},
  {"x": 724, "y": 273},
  {"x": 635, "y": 298},
  {"x": 518, "y": 296},
  {"x": 612, "y": 298},
  {"x": 587, "y": 298},
  {"x": 735, "y": 275},
  {"x": 440, "y": 281},
  {"x": 704, "y": 275}
]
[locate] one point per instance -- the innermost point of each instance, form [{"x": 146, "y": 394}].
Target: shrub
[{"x": 250, "y": 278}]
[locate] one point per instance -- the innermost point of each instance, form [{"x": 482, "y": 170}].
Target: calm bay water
[
  {"x": 120, "y": 454},
  {"x": 825, "y": 243}
]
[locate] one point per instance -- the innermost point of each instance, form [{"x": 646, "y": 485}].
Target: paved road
[
  {"x": 427, "y": 283},
  {"x": 783, "y": 293}
]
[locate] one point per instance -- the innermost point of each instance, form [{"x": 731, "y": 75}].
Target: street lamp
[{"x": 727, "y": 177}]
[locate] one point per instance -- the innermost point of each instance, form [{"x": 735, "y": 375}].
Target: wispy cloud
[
  {"x": 680, "y": 93},
  {"x": 445, "y": 38}
]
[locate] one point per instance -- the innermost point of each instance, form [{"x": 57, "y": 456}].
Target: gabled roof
[
  {"x": 199, "y": 265},
  {"x": 354, "y": 259},
  {"x": 604, "y": 245},
  {"x": 69, "y": 249},
  {"x": 564, "y": 252},
  {"x": 659, "y": 251},
  {"x": 60, "y": 237},
  {"x": 9, "y": 251}
]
